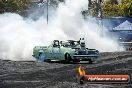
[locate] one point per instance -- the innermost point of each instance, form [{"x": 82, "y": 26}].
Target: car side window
[{"x": 56, "y": 44}]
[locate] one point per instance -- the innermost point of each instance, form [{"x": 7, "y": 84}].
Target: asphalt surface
[{"x": 33, "y": 74}]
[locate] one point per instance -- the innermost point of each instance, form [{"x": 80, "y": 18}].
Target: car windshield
[
  {"x": 66, "y": 44},
  {"x": 70, "y": 44}
]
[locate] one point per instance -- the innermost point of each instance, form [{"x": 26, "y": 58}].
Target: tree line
[
  {"x": 113, "y": 8},
  {"x": 110, "y": 8},
  {"x": 14, "y": 5}
]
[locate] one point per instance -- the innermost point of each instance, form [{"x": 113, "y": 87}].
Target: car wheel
[
  {"x": 67, "y": 57},
  {"x": 76, "y": 60},
  {"x": 90, "y": 61},
  {"x": 41, "y": 57}
]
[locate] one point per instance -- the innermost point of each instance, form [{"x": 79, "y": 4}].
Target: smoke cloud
[{"x": 18, "y": 35}]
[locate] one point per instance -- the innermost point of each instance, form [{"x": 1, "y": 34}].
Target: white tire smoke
[{"x": 18, "y": 35}]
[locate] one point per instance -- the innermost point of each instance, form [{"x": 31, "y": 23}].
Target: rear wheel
[{"x": 41, "y": 57}]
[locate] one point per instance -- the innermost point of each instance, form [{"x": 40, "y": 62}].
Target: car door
[{"x": 56, "y": 50}]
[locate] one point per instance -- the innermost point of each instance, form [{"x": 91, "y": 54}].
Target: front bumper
[{"x": 86, "y": 57}]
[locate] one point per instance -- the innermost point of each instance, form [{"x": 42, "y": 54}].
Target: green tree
[
  {"x": 114, "y": 9},
  {"x": 110, "y": 9},
  {"x": 13, "y": 5},
  {"x": 126, "y": 7}
]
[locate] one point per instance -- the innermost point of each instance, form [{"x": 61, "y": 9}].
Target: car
[{"x": 68, "y": 51}]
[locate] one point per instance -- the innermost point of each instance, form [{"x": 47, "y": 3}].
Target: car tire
[
  {"x": 90, "y": 61},
  {"x": 76, "y": 60},
  {"x": 41, "y": 57},
  {"x": 67, "y": 57}
]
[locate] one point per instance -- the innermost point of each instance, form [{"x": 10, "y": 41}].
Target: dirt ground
[{"x": 34, "y": 74}]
